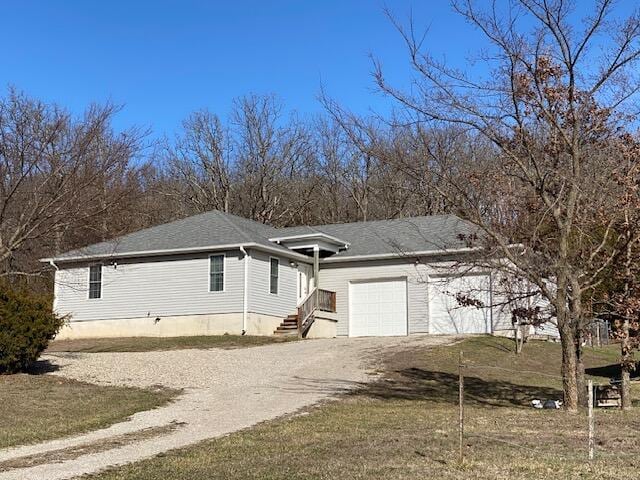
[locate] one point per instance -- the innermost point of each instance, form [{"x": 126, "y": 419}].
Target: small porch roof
[{"x": 309, "y": 241}]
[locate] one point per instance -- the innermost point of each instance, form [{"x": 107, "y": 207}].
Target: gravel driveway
[{"x": 224, "y": 391}]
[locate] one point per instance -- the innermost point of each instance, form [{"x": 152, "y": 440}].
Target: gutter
[
  {"x": 149, "y": 253},
  {"x": 245, "y": 291},
  {"x": 383, "y": 256}
]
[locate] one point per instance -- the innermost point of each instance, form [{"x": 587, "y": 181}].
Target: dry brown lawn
[
  {"x": 148, "y": 344},
  {"x": 405, "y": 427},
  {"x": 42, "y": 407}
]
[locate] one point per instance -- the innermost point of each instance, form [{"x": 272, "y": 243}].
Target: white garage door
[
  {"x": 378, "y": 308},
  {"x": 448, "y": 315}
]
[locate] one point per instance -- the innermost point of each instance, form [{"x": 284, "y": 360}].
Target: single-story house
[{"x": 216, "y": 273}]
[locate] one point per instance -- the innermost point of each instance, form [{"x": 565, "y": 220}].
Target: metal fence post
[
  {"x": 461, "y": 407},
  {"x": 591, "y": 422}
]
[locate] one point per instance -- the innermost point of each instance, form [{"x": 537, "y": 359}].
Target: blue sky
[{"x": 163, "y": 59}]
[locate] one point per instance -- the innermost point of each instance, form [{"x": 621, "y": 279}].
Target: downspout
[
  {"x": 245, "y": 291},
  {"x": 55, "y": 284}
]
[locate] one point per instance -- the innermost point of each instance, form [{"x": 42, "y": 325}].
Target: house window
[
  {"x": 216, "y": 273},
  {"x": 274, "y": 275},
  {"x": 95, "y": 281}
]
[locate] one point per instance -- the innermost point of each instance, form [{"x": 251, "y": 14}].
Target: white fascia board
[
  {"x": 174, "y": 251},
  {"x": 307, "y": 236},
  {"x": 288, "y": 254},
  {"x": 383, "y": 256},
  {"x": 327, "y": 246}
]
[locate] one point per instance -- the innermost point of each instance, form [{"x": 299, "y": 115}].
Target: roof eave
[
  {"x": 385, "y": 256},
  {"x": 177, "y": 251},
  {"x": 302, "y": 236}
]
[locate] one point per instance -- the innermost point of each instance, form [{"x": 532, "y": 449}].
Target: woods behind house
[{"x": 69, "y": 181}]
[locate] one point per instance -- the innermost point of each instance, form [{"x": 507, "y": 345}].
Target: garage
[
  {"x": 448, "y": 316},
  {"x": 378, "y": 308}
]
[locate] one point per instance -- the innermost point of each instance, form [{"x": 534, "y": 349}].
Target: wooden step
[
  {"x": 286, "y": 333},
  {"x": 289, "y": 325},
  {"x": 286, "y": 328}
]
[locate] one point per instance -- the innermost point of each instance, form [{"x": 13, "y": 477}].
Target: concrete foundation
[
  {"x": 188, "y": 325},
  {"x": 324, "y": 326},
  {"x": 172, "y": 326},
  {"x": 263, "y": 325}
]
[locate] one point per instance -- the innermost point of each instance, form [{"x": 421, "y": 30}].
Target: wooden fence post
[
  {"x": 591, "y": 422},
  {"x": 461, "y": 407}
]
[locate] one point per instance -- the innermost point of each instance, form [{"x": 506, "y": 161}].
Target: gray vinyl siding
[
  {"x": 260, "y": 299},
  {"x": 501, "y": 313},
  {"x": 502, "y": 309},
  {"x": 154, "y": 287},
  {"x": 336, "y": 277}
]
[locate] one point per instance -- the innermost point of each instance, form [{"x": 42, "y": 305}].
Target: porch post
[{"x": 316, "y": 266}]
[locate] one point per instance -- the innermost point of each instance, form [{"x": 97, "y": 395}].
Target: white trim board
[{"x": 153, "y": 253}]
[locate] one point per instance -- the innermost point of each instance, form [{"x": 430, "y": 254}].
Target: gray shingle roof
[
  {"x": 215, "y": 228},
  {"x": 208, "y": 229},
  {"x": 405, "y": 235}
]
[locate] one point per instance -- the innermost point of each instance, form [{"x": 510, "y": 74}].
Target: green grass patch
[
  {"x": 405, "y": 427},
  {"x": 42, "y": 407},
  {"x": 148, "y": 344}
]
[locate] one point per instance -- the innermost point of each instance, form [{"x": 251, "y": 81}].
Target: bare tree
[
  {"x": 199, "y": 165},
  {"x": 405, "y": 177},
  {"x": 360, "y": 162},
  {"x": 279, "y": 169},
  {"x": 60, "y": 176},
  {"x": 270, "y": 153},
  {"x": 618, "y": 298},
  {"x": 335, "y": 205},
  {"x": 549, "y": 103},
  {"x": 373, "y": 156}
]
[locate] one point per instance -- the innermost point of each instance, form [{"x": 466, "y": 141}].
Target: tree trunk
[
  {"x": 516, "y": 332},
  {"x": 567, "y": 341},
  {"x": 569, "y": 361},
  {"x": 578, "y": 324}
]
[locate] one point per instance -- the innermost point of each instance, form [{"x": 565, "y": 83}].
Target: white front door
[
  {"x": 460, "y": 304},
  {"x": 305, "y": 272},
  {"x": 378, "y": 308}
]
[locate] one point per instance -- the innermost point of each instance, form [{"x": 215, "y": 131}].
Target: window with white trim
[
  {"x": 216, "y": 273},
  {"x": 274, "y": 275},
  {"x": 95, "y": 281}
]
